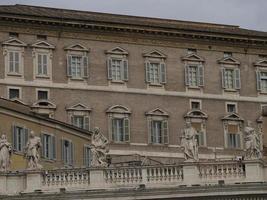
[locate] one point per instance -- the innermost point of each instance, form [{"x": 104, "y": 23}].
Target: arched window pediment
[
  {"x": 44, "y": 104},
  {"x": 119, "y": 109},
  {"x": 196, "y": 114}
]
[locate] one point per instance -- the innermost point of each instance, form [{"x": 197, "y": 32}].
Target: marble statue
[
  {"x": 5, "y": 153},
  {"x": 32, "y": 151},
  {"x": 189, "y": 143},
  {"x": 99, "y": 149},
  {"x": 252, "y": 143}
]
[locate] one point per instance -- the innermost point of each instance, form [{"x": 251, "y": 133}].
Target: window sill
[
  {"x": 117, "y": 81},
  {"x": 230, "y": 90},
  {"x": 48, "y": 160},
  {"x": 42, "y": 76},
  {"x": 120, "y": 143},
  {"x": 158, "y": 144},
  {"x": 194, "y": 87},
  {"x": 14, "y": 74}
]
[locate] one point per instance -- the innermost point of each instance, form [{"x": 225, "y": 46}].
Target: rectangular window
[
  {"x": 194, "y": 75},
  {"x": 14, "y": 93},
  {"x": 67, "y": 152},
  {"x": 80, "y": 121},
  {"x": 42, "y": 64},
  {"x": 159, "y": 131},
  {"x": 41, "y": 37},
  {"x": 87, "y": 156},
  {"x": 49, "y": 146},
  {"x": 200, "y": 133},
  {"x": 263, "y": 81},
  {"x": 231, "y": 108},
  {"x": 42, "y": 95},
  {"x": 191, "y": 51},
  {"x": 233, "y": 136},
  {"x": 76, "y": 66},
  {"x": 120, "y": 129},
  {"x": 116, "y": 69},
  {"x": 20, "y": 138},
  {"x": 195, "y": 105},
  {"x": 13, "y": 34},
  {"x": 14, "y": 60},
  {"x": 227, "y": 54},
  {"x": 154, "y": 73},
  {"x": 229, "y": 78}
]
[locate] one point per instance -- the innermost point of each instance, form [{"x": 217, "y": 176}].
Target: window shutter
[
  {"x": 43, "y": 146},
  {"x": 85, "y": 66},
  {"x": 126, "y": 129},
  {"x": 165, "y": 132},
  {"x": 200, "y": 75},
  {"x": 229, "y": 140},
  {"x": 85, "y": 157},
  {"x": 69, "y": 65},
  {"x": 150, "y": 135},
  {"x": 17, "y": 62},
  {"x": 86, "y": 123},
  {"x": 238, "y": 140},
  {"x": 186, "y": 75},
  {"x": 258, "y": 74},
  {"x": 71, "y": 153},
  {"x": 223, "y": 77},
  {"x": 125, "y": 70},
  {"x": 53, "y": 147},
  {"x": 113, "y": 130},
  {"x": 109, "y": 68},
  {"x": 63, "y": 154},
  {"x": 39, "y": 64},
  {"x": 14, "y": 138},
  {"x": 25, "y": 136},
  {"x": 72, "y": 120},
  {"x": 237, "y": 79},
  {"x": 147, "y": 67},
  {"x": 45, "y": 61},
  {"x": 162, "y": 72}
]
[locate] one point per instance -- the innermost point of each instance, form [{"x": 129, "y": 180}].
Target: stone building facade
[{"x": 138, "y": 79}]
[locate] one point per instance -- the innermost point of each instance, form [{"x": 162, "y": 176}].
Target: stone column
[
  {"x": 254, "y": 171},
  {"x": 191, "y": 174},
  {"x": 97, "y": 179},
  {"x": 33, "y": 181}
]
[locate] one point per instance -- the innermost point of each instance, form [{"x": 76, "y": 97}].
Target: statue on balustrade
[
  {"x": 99, "y": 149},
  {"x": 189, "y": 143},
  {"x": 31, "y": 152},
  {"x": 252, "y": 143},
  {"x": 5, "y": 153}
]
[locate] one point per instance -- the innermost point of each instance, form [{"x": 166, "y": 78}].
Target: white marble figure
[
  {"x": 189, "y": 143},
  {"x": 32, "y": 152},
  {"x": 99, "y": 149},
  {"x": 252, "y": 143},
  {"x": 5, "y": 153}
]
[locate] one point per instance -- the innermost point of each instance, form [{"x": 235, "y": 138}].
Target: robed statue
[
  {"x": 5, "y": 153},
  {"x": 31, "y": 152},
  {"x": 99, "y": 149},
  {"x": 189, "y": 143},
  {"x": 252, "y": 143}
]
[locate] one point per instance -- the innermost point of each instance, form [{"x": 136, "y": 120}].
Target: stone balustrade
[{"x": 197, "y": 173}]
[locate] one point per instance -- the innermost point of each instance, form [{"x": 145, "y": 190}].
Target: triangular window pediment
[
  {"x": 119, "y": 109},
  {"x": 193, "y": 57},
  {"x": 77, "y": 47},
  {"x": 157, "y": 112},
  {"x": 44, "y": 104},
  {"x": 233, "y": 117},
  {"x": 79, "y": 107},
  {"x": 43, "y": 44},
  {"x": 229, "y": 60},
  {"x": 261, "y": 63},
  {"x": 155, "y": 54},
  {"x": 196, "y": 114},
  {"x": 117, "y": 50},
  {"x": 14, "y": 42}
]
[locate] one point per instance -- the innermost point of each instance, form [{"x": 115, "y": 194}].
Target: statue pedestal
[
  {"x": 191, "y": 173},
  {"x": 3, "y": 183},
  {"x": 33, "y": 181},
  {"x": 254, "y": 170},
  {"x": 97, "y": 179}
]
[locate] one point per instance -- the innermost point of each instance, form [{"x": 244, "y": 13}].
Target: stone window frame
[
  {"x": 43, "y": 48},
  {"x": 81, "y": 110},
  {"x": 44, "y": 90},
  {"x": 162, "y": 116},
  {"x": 194, "y": 60},
  {"x": 14, "y": 87},
  {"x": 198, "y": 116},
  {"x": 24, "y": 139},
  {"x": 119, "y": 112},
  {"x": 121, "y": 54},
  {"x": 230, "y": 63},
  {"x": 80, "y": 51},
  {"x": 71, "y": 161},
  {"x": 44, "y": 107},
  {"x": 14, "y": 45},
  {"x": 231, "y": 103},
  {"x": 155, "y": 56},
  {"x": 260, "y": 66},
  {"x": 195, "y": 100},
  {"x": 233, "y": 119},
  {"x": 87, "y": 155},
  {"x": 53, "y": 151}
]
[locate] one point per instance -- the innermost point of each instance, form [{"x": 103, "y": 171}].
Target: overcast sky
[{"x": 251, "y": 14}]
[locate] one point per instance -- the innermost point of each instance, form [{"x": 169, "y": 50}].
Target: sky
[{"x": 250, "y": 14}]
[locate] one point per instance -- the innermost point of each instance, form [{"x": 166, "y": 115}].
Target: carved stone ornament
[
  {"x": 189, "y": 143},
  {"x": 31, "y": 152},
  {"x": 99, "y": 149},
  {"x": 5, "y": 153}
]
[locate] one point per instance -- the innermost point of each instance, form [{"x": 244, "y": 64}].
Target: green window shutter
[
  {"x": 162, "y": 72},
  {"x": 53, "y": 147},
  {"x": 85, "y": 66},
  {"x": 238, "y": 141},
  {"x": 125, "y": 70},
  {"x": 200, "y": 75},
  {"x": 223, "y": 77},
  {"x": 69, "y": 57},
  {"x": 14, "y": 137},
  {"x": 43, "y": 146},
  {"x": 228, "y": 141},
  {"x": 109, "y": 68},
  {"x": 258, "y": 76},
  {"x": 237, "y": 79},
  {"x": 86, "y": 123},
  {"x": 126, "y": 129},
  {"x": 150, "y": 133},
  {"x": 186, "y": 75},
  {"x": 63, "y": 154},
  {"x": 45, "y": 61},
  {"x": 85, "y": 155},
  {"x": 72, "y": 153},
  {"x": 113, "y": 130},
  {"x": 165, "y": 132},
  {"x": 25, "y": 137},
  {"x": 147, "y": 67},
  {"x": 39, "y": 64}
]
